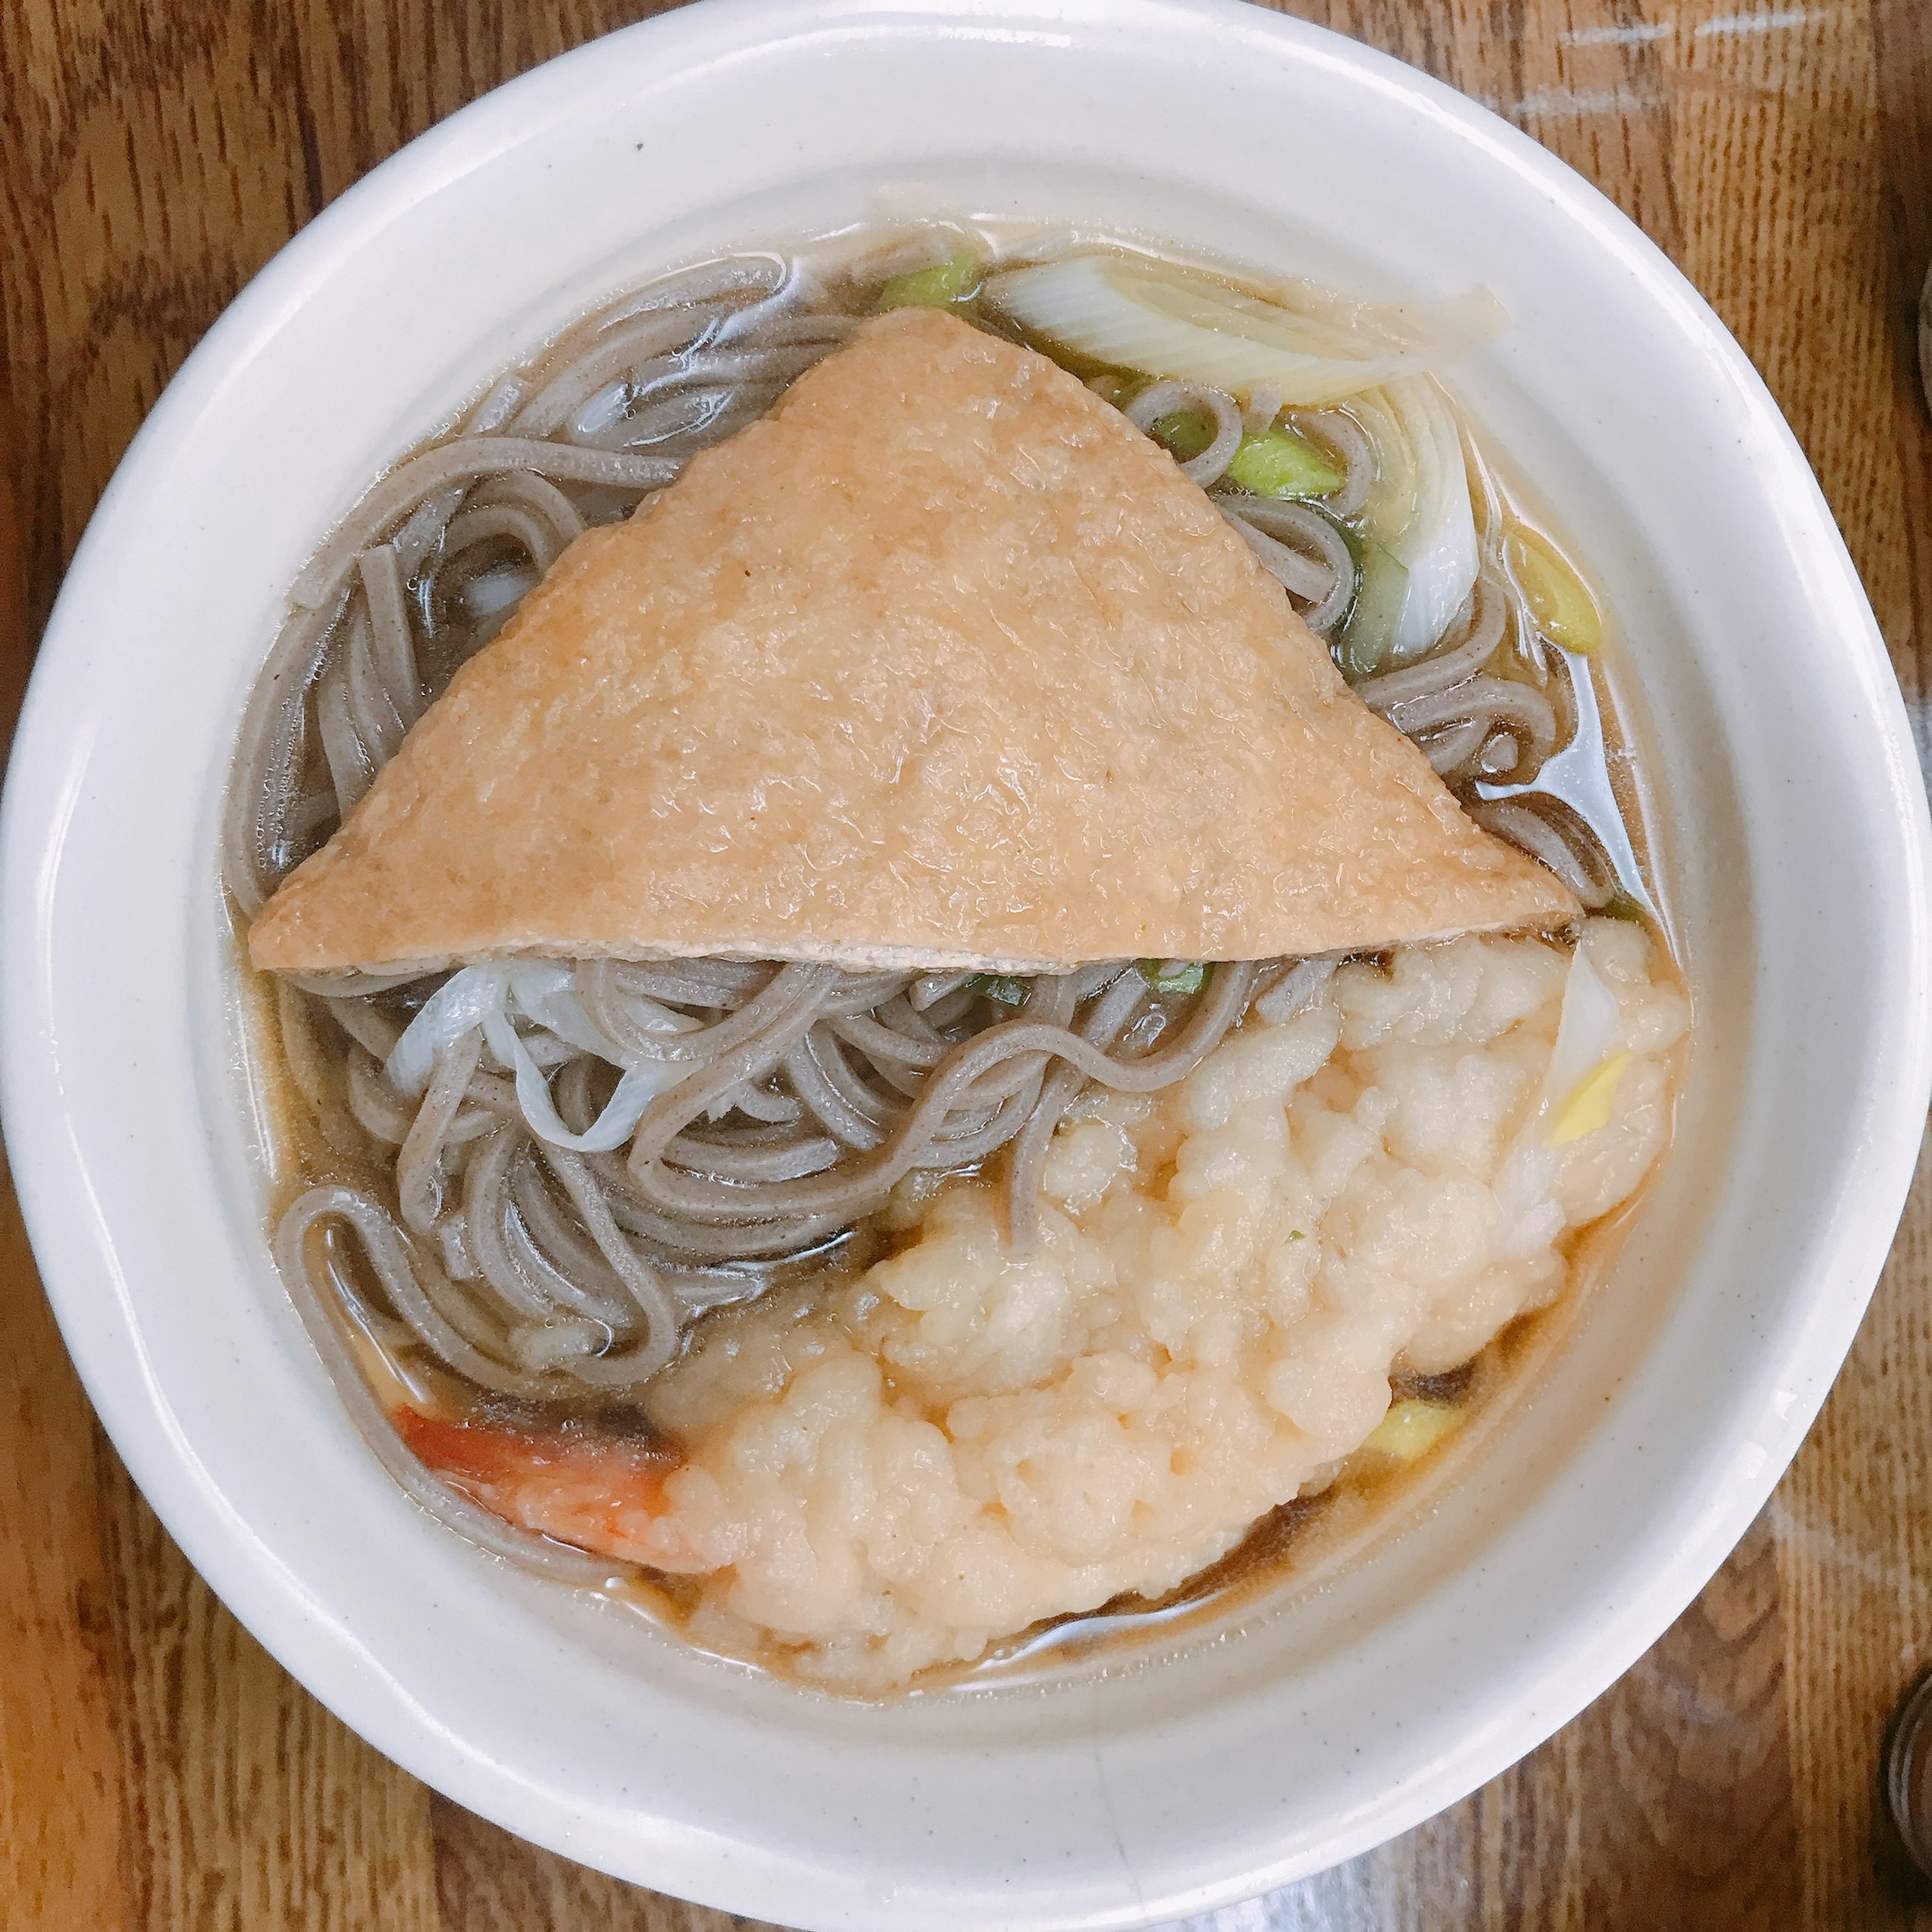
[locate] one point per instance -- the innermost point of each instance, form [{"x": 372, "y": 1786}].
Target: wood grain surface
[{"x": 159, "y": 1773}]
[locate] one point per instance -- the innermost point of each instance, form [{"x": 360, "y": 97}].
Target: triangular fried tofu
[{"x": 943, "y": 662}]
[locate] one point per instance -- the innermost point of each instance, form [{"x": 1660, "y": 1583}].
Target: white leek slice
[
  {"x": 464, "y": 1000},
  {"x": 1526, "y": 1182},
  {"x": 1161, "y": 320},
  {"x": 1389, "y": 507},
  {"x": 611, "y": 1128},
  {"x": 483, "y": 996},
  {"x": 1585, "y": 1034},
  {"x": 547, "y": 993},
  {"x": 1381, "y": 595},
  {"x": 1437, "y": 545}
]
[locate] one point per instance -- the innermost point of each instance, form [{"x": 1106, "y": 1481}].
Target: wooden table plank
[
  {"x": 60, "y": 1761},
  {"x": 61, "y": 1826},
  {"x": 157, "y": 1772}
]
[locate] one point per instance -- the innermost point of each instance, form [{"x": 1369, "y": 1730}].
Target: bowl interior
[{"x": 1790, "y": 837}]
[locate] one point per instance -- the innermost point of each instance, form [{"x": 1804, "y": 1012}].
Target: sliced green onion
[
  {"x": 1381, "y": 589},
  {"x": 1186, "y": 432},
  {"x": 1273, "y": 462},
  {"x": 939, "y": 286},
  {"x": 1411, "y": 1429},
  {"x": 1565, "y": 611},
  {"x": 1175, "y": 976},
  {"x": 1279, "y": 462},
  {"x": 1002, "y": 988}
]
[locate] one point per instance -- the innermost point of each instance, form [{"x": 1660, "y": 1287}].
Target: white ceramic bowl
[{"x": 1794, "y": 847}]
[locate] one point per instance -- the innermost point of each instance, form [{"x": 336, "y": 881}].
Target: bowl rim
[{"x": 52, "y": 1171}]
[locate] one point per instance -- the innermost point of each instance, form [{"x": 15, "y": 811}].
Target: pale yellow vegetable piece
[
  {"x": 1412, "y": 1428},
  {"x": 1565, "y": 613},
  {"x": 1589, "y": 1108}
]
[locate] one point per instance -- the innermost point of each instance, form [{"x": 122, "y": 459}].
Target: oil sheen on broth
[{"x": 1136, "y": 1350}]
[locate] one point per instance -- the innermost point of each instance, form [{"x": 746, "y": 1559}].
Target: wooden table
[{"x": 157, "y": 1772}]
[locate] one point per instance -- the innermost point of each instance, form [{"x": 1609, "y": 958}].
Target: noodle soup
[{"x": 866, "y": 1314}]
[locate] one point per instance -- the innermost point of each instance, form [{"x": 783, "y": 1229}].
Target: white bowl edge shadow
[{"x": 1162, "y": 1792}]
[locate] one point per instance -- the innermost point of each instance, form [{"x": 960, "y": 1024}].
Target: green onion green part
[
  {"x": 939, "y": 286},
  {"x": 1186, "y": 432},
  {"x": 1175, "y": 976},
  {"x": 1276, "y": 462},
  {"x": 1564, "y": 610},
  {"x": 1000, "y": 987},
  {"x": 1279, "y": 463}
]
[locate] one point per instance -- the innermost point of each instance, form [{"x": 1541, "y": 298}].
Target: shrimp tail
[{"x": 596, "y": 1492}]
